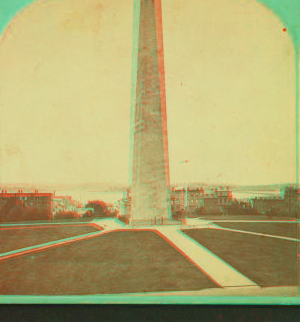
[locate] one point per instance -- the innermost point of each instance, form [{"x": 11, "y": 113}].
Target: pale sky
[{"x": 65, "y": 76}]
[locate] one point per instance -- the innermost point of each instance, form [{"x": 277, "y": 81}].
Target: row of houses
[
  {"x": 44, "y": 205},
  {"x": 62, "y": 204},
  {"x": 286, "y": 205},
  {"x": 214, "y": 200}
]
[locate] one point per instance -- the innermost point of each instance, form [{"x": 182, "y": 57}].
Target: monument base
[{"x": 153, "y": 222}]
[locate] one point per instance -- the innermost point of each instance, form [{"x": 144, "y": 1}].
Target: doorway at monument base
[{"x": 157, "y": 221}]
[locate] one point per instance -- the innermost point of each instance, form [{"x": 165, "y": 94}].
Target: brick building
[
  {"x": 212, "y": 201},
  {"x": 271, "y": 205},
  {"x": 186, "y": 199},
  {"x": 292, "y": 201},
  {"x": 286, "y": 206},
  {"x": 65, "y": 204},
  {"x": 25, "y": 206},
  {"x": 123, "y": 205}
]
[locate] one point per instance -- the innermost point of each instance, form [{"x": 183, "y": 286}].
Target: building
[
  {"x": 271, "y": 205},
  {"x": 212, "y": 201},
  {"x": 186, "y": 199},
  {"x": 60, "y": 204},
  {"x": 211, "y": 205},
  {"x": 224, "y": 199},
  {"x": 64, "y": 204},
  {"x": 16, "y": 206},
  {"x": 123, "y": 206},
  {"x": 286, "y": 205},
  {"x": 25, "y": 206},
  {"x": 149, "y": 170},
  {"x": 292, "y": 201},
  {"x": 177, "y": 199}
]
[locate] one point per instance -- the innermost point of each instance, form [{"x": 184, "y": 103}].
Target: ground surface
[
  {"x": 277, "y": 229},
  {"x": 266, "y": 261},
  {"x": 118, "y": 262},
  {"x": 16, "y": 237}
]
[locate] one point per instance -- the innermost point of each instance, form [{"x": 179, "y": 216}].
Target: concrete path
[
  {"x": 109, "y": 224},
  {"x": 219, "y": 271},
  {"x": 254, "y": 233}
]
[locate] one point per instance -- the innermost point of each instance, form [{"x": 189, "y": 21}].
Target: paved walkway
[
  {"x": 254, "y": 233},
  {"x": 109, "y": 224},
  {"x": 219, "y": 271}
]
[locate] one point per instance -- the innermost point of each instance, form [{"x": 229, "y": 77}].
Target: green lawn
[
  {"x": 277, "y": 229},
  {"x": 118, "y": 262},
  {"x": 12, "y": 239},
  {"x": 265, "y": 260}
]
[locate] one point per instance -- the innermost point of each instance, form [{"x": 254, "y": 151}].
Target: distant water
[{"x": 253, "y": 194}]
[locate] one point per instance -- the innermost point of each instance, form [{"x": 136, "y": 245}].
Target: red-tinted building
[
  {"x": 213, "y": 201},
  {"x": 292, "y": 201},
  {"x": 269, "y": 206},
  {"x": 25, "y": 206}
]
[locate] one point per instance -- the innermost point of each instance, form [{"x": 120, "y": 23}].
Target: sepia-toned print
[{"x": 149, "y": 151}]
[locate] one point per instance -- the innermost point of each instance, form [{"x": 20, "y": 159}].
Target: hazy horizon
[{"x": 96, "y": 185}]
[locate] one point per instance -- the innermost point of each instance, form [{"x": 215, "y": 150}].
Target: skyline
[{"x": 195, "y": 72}]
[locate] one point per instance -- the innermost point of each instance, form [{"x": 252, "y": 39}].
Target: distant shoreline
[{"x": 94, "y": 187}]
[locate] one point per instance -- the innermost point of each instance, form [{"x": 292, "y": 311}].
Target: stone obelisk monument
[{"x": 149, "y": 159}]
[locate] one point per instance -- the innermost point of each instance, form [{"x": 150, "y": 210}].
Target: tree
[{"x": 100, "y": 209}]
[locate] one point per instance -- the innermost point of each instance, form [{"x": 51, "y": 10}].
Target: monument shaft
[{"x": 149, "y": 149}]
